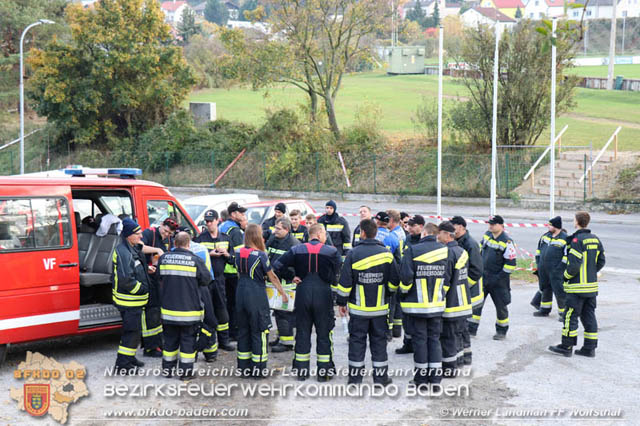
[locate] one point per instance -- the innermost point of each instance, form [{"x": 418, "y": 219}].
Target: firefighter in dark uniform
[
  {"x": 232, "y": 227},
  {"x": 252, "y": 305},
  {"x": 182, "y": 274},
  {"x": 458, "y": 307},
  {"x": 551, "y": 261},
  {"x": 316, "y": 266},
  {"x": 395, "y": 313},
  {"x": 585, "y": 259},
  {"x": 267, "y": 226},
  {"x": 278, "y": 244},
  {"x": 311, "y": 220},
  {"x": 299, "y": 231},
  {"x": 130, "y": 289},
  {"x": 365, "y": 213},
  {"x": 423, "y": 278},
  {"x": 156, "y": 241},
  {"x": 221, "y": 255},
  {"x": 415, "y": 226},
  {"x": 337, "y": 227},
  {"x": 499, "y": 261},
  {"x": 474, "y": 278},
  {"x": 369, "y": 270}
]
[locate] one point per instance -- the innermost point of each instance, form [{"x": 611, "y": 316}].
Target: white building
[
  {"x": 486, "y": 16},
  {"x": 539, "y": 9},
  {"x": 173, "y": 11},
  {"x": 603, "y": 9}
]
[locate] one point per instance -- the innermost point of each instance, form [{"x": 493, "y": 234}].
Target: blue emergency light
[{"x": 125, "y": 173}]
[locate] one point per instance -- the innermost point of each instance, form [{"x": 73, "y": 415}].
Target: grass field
[
  {"x": 596, "y": 116},
  {"x": 628, "y": 71}
]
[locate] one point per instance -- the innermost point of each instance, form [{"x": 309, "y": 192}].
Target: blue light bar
[
  {"x": 74, "y": 172},
  {"x": 125, "y": 173}
]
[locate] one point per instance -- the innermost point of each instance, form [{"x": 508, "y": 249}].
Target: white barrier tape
[{"x": 507, "y": 225}]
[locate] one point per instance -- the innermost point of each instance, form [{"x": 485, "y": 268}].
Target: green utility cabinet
[{"x": 406, "y": 60}]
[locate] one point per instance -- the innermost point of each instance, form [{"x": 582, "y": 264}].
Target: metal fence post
[
  {"x": 584, "y": 193},
  {"x": 264, "y": 170},
  {"x": 506, "y": 166},
  {"x": 317, "y": 172},
  {"x": 166, "y": 166},
  {"x": 213, "y": 167},
  {"x": 375, "y": 183}
]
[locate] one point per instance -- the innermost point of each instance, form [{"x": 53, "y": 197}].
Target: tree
[
  {"x": 320, "y": 41},
  {"x": 215, "y": 11},
  {"x": 417, "y": 14},
  {"x": 524, "y": 83},
  {"x": 187, "y": 26},
  {"x": 117, "y": 77},
  {"x": 435, "y": 19},
  {"x": 518, "y": 13},
  {"x": 247, "y": 6}
]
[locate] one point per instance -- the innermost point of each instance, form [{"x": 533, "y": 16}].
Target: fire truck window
[
  {"x": 158, "y": 211},
  {"x": 51, "y": 222},
  {"x": 118, "y": 205},
  {"x": 34, "y": 223},
  {"x": 16, "y": 224}
]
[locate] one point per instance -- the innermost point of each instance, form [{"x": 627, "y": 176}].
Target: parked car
[
  {"x": 260, "y": 211},
  {"x": 197, "y": 206}
]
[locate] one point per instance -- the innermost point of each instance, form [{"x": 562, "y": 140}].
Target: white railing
[
  {"x": 546, "y": 151},
  {"x": 613, "y": 137},
  {"x": 7, "y": 145}
]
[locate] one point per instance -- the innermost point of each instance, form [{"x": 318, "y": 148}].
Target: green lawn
[
  {"x": 628, "y": 71},
  {"x": 596, "y": 116}
]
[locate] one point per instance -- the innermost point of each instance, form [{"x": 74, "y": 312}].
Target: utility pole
[{"x": 612, "y": 46}]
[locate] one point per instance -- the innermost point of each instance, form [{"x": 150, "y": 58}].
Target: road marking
[{"x": 621, "y": 271}]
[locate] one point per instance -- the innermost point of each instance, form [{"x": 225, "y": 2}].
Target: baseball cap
[
  {"x": 446, "y": 226},
  {"x": 170, "y": 223},
  {"x": 210, "y": 215},
  {"x": 416, "y": 220},
  {"x": 234, "y": 207},
  {"x": 496, "y": 220},
  {"x": 458, "y": 220},
  {"x": 382, "y": 217}
]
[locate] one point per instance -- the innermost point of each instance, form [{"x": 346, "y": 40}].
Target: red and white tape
[{"x": 507, "y": 225}]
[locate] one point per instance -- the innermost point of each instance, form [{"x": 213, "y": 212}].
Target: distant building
[
  {"x": 173, "y": 11},
  {"x": 487, "y": 16},
  {"x": 199, "y": 8},
  {"x": 507, "y": 7},
  {"x": 539, "y": 9},
  {"x": 603, "y": 9},
  {"x": 234, "y": 10}
]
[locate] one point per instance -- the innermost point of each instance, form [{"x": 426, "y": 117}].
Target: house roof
[
  {"x": 200, "y": 7},
  {"x": 555, "y": 3},
  {"x": 172, "y": 6},
  {"x": 493, "y": 14},
  {"x": 508, "y": 4},
  {"x": 231, "y": 5}
]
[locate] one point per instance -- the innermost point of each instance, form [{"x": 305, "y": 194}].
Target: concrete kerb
[{"x": 563, "y": 207}]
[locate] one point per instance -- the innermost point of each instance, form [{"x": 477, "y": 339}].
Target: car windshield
[
  {"x": 194, "y": 210},
  {"x": 255, "y": 214}
]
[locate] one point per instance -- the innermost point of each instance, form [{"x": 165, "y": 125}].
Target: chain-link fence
[
  {"x": 595, "y": 40},
  {"x": 392, "y": 172}
]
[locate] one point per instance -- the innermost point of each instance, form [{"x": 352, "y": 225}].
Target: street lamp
[{"x": 41, "y": 21}]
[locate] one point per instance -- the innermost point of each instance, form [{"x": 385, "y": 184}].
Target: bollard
[{"x": 584, "y": 193}]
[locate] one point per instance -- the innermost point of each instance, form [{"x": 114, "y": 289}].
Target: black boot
[
  {"x": 562, "y": 350},
  {"x": 540, "y": 314},
  {"x": 226, "y": 346},
  {"x": 591, "y": 353},
  {"x": 137, "y": 362},
  {"x": 397, "y": 330},
  {"x": 281, "y": 348},
  {"x": 406, "y": 348},
  {"x": 499, "y": 336}
]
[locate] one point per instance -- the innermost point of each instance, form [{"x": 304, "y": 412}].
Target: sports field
[
  {"x": 596, "y": 116},
  {"x": 627, "y": 71}
]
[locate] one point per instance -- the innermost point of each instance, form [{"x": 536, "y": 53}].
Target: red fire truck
[{"x": 55, "y": 268}]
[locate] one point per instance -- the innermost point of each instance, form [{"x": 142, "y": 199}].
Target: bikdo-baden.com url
[{"x": 178, "y": 413}]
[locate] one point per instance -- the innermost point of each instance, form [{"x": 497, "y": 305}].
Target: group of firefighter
[{"x": 396, "y": 273}]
